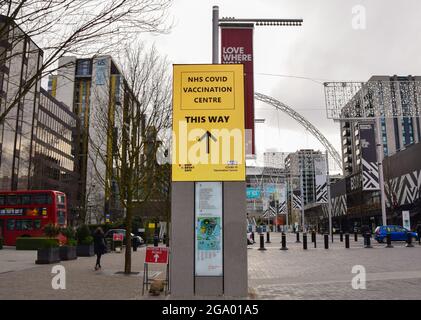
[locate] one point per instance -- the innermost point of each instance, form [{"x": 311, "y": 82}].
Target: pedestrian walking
[
  {"x": 99, "y": 246},
  {"x": 419, "y": 231}
]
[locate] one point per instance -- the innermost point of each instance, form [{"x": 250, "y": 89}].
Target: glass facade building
[{"x": 37, "y": 135}]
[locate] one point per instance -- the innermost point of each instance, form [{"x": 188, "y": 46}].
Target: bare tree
[
  {"x": 133, "y": 131},
  {"x": 78, "y": 27}
]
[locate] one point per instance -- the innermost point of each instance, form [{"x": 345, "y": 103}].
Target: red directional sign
[
  {"x": 117, "y": 237},
  {"x": 156, "y": 255}
]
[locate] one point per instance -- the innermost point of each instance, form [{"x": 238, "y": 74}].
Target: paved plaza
[{"x": 317, "y": 273}]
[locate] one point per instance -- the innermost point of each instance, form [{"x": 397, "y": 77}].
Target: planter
[
  {"x": 48, "y": 255},
  {"x": 35, "y": 243},
  {"x": 85, "y": 250},
  {"x": 68, "y": 253}
]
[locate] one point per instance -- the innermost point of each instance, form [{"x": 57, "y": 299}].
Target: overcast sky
[{"x": 325, "y": 48}]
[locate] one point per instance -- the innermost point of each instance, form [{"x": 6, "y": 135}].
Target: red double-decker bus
[{"x": 24, "y": 213}]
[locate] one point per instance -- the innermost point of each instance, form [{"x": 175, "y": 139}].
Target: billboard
[
  {"x": 237, "y": 47},
  {"x": 101, "y": 71},
  {"x": 253, "y": 193},
  {"x": 370, "y": 168},
  {"x": 320, "y": 178}
]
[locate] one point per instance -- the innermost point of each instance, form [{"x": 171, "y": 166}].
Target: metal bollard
[
  {"x": 355, "y": 236},
  {"x": 389, "y": 241},
  {"x": 298, "y": 238},
  {"x": 305, "y": 241},
  {"x": 315, "y": 241},
  {"x": 409, "y": 241},
  {"x": 252, "y": 237},
  {"x": 326, "y": 241},
  {"x": 347, "y": 241},
  {"x": 341, "y": 236},
  {"x": 313, "y": 236},
  {"x": 284, "y": 242},
  {"x": 262, "y": 242},
  {"x": 367, "y": 241},
  {"x": 267, "y": 237},
  {"x": 332, "y": 236}
]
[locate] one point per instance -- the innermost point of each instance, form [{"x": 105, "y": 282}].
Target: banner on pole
[
  {"x": 321, "y": 178},
  {"x": 296, "y": 199},
  {"x": 370, "y": 168},
  {"x": 237, "y": 47}
]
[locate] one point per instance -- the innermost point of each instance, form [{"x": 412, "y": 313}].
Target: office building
[
  {"x": 397, "y": 133},
  {"x": 399, "y": 136},
  {"x": 37, "y": 135},
  {"x": 301, "y": 166},
  {"x": 275, "y": 159},
  {"x": 267, "y": 194},
  {"x": 20, "y": 60},
  {"x": 96, "y": 90}
]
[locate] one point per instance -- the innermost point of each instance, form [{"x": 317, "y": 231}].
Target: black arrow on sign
[{"x": 208, "y": 136}]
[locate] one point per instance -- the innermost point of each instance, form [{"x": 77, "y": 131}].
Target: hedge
[{"x": 28, "y": 243}]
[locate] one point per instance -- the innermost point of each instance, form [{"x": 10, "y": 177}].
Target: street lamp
[{"x": 256, "y": 22}]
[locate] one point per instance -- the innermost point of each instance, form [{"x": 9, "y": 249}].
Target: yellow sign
[
  {"x": 208, "y": 123},
  {"x": 151, "y": 225}
]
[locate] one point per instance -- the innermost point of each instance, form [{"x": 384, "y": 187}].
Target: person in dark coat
[
  {"x": 419, "y": 231},
  {"x": 99, "y": 246}
]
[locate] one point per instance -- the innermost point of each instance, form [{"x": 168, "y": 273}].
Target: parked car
[
  {"x": 397, "y": 233},
  {"x": 137, "y": 239}
]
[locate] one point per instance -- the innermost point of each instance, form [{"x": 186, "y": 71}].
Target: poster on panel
[{"x": 208, "y": 229}]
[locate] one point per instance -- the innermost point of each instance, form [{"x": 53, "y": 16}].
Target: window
[
  {"x": 24, "y": 225},
  {"x": 11, "y": 224},
  {"x": 27, "y": 225},
  {"x": 13, "y": 200},
  {"x": 2, "y": 200},
  {"x": 42, "y": 198},
  {"x": 61, "y": 217},
  {"x": 83, "y": 67},
  {"x": 61, "y": 200},
  {"x": 37, "y": 224},
  {"x": 26, "y": 199}
]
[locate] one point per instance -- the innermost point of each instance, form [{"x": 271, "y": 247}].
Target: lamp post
[
  {"x": 329, "y": 205},
  {"x": 254, "y": 21}
]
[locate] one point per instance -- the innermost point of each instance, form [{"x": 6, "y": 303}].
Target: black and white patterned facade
[
  {"x": 282, "y": 209},
  {"x": 296, "y": 201},
  {"x": 370, "y": 175},
  {"x": 404, "y": 189},
  {"x": 321, "y": 193},
  {"x": 338, "y": 207}
]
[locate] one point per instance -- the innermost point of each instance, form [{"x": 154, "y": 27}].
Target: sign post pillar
[{"x": 208, "y": 182}]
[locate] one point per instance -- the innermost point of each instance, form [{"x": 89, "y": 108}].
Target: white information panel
[
  {"x": 406, "y": 220},
  {"x": 208, "y": 226}
]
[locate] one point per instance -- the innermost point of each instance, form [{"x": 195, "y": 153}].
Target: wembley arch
[{"x": 304, "y": 122}]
